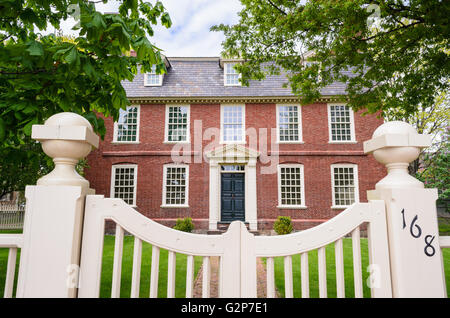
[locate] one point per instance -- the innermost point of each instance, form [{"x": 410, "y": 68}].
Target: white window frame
[
  {"x": 222, "y": 132},
  {"x": 166, "y": 125},
  {"x": 352, "y": 126},
  {"x": 115, "y": 141},
  {"x": 164, "y": 204},
  {"x": 300, "y": 126},
  {"x": 355, "y": 178},
  {"x": 225, "y": 74},
  {"x": 302, "y": 185},
  {"x": 153, "y": 72},
  {"x": 113, "y": 180}
]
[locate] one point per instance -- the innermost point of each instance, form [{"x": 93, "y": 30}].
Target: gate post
[
  {"x": 415, "y": 254},
  {"x": 52, "y": 231}
]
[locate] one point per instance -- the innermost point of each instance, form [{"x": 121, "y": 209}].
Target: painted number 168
[{"x": 416, "y": 231}]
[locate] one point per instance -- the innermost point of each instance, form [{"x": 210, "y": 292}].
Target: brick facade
[{"x": 315, "y": 153}]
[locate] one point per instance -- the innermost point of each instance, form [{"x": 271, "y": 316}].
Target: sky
[{"x": 191, "y": 20}]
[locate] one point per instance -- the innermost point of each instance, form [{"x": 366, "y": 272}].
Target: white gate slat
[
  {"x": 377, "y": 242},
  {"x": 304, "y": 267},
  {"x": 339, "y": 257},
  {"x": 154, "y": 275},
  {"x": 288, "y": 285},
  {"x": 357, "y": 272},
  {"x": 322, "y": 273},
  {"x": 206, "y": 286},
  {"x": 190, "y": 277},
  {"x": 117, "y": 266},
  {"x": 136, "y": 276},
  {"x": 10, "y": 272},
  {"x": 270, "y": 272},
  {"x": 171, "y": 269}
]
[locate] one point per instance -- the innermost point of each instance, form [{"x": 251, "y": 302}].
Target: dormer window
[
  {"x": 153, "y": 79},
  {"x": 231, "y": 76}
]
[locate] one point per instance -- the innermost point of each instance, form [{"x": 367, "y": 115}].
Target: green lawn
[
  {"x": 331, "y": 271},
  {"x": 444, "y": 226}
]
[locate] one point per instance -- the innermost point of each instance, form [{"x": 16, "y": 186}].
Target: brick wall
[{"x": 316, "y": 154}]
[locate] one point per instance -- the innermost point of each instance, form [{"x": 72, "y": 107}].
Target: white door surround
[{"x": 232, "y": 154}]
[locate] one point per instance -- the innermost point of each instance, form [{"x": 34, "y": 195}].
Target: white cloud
[
  {"x": 191, "y": 21},
  {"x": 189, "y": 34}
]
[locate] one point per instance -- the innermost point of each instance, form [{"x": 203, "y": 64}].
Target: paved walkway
[{"x": 260, "y": 272}]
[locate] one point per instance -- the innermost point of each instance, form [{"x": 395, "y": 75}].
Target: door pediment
[{"x": 232, "y": 152}]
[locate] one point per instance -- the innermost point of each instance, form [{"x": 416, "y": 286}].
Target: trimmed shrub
[
  {"x": 283, "y": 225},
  {"x": 184, "y": 225}
]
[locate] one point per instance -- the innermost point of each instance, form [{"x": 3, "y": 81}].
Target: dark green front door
[{"x": 232, "y": 197}]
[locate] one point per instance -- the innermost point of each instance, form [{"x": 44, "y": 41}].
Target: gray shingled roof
[{"x": 204, "y": 78}]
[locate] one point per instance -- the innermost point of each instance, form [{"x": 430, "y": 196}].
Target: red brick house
[{"x": 195, "y": 143}]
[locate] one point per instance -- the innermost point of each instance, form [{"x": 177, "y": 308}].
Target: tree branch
[
  {"x": 388, "y": 32},
  {"x": 23, "y": 73},
  {"x": 276, "y": 7}
]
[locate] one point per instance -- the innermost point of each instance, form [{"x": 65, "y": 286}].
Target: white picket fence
[
  {"x": 64, "y": 230},
  {"x": 11, "y": 216}
]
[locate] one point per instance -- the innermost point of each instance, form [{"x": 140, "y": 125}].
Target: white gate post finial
[
  {"x": 414, "y": 251},
  {"x": 395, "y": 144},
  {"x": 50, "y": 256},
  {"x": 67, "y": 138}
]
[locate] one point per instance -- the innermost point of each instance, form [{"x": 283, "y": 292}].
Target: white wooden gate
[{"x": 237, "y": 249}]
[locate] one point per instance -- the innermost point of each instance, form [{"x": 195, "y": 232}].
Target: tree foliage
[
  {"x": 435, "y": 173},
  {"x": 23, "y": 166},
  {"x": 399, "y": 60},
  {"x": 433, "y": 121},
  {"x": 43, "y": 74}
]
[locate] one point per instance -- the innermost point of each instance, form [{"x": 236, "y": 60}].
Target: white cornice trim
[{"x": 229, "y": 99}]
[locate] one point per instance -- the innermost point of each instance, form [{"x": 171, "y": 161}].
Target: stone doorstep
[{"x": 222, "y": 227}]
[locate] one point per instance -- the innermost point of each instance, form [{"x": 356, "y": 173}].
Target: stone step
[{"x": 222, "y": 227}]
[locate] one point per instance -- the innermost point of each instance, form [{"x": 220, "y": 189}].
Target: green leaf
[
  {"x": 2, "y": 129},
  {"x": 27, "y": 128},
  {"x": 35, "y": 49},
  {"x": 72, "y": 55}
]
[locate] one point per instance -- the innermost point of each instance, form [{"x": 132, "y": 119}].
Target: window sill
[
  {"x": 233, "y": 85},
  {"x": 164, "y": 206},
  {"x": 343, "y": 142},
  {"x": 340, "y": 207},
  {"x": 233, "y": 142},
  {"x": 125, "y": 142},
  {"x": 291, "y": 142},
  {"x": 176, "y": 142},
  {"x": 292, "y": 207}
]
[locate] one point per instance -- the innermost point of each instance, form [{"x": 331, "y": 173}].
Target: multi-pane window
[
  {"x": 341, "y": 123},
  {"x": 345, "y": 185},
  {"x": 177, "y": 123},
  {"x": 291, "y": 190},
  {"x": 289, "y": 124},
  {"x": 123, "y": 183},
  {"x": 153, "y": 79},
  {"x": 233, "y": 126},
  {"x": 175, "y": 191},
  {"x": 126, "y": 129},
  {"x": 231, "y": 75}
]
